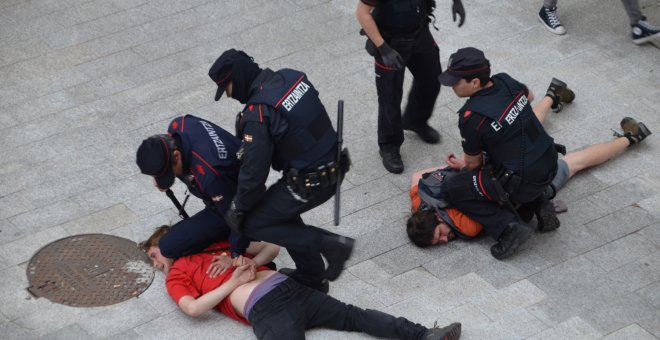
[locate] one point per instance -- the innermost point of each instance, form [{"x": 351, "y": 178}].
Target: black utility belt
[{"x": 324, "y": 176}]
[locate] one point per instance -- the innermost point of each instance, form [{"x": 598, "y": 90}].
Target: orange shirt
[{"x": 466, "y": 225}]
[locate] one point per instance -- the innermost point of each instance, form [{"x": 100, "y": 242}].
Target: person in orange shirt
[{"x": 429, "y": 226}]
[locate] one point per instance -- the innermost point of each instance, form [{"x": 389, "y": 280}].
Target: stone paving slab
[{"x": 84, "y": 81}]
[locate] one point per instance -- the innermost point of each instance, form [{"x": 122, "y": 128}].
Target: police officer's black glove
[
  {"x": 457, "y": 8},
  {"x": 391, "y": 58},
  {"x": 235, "y": 218}
]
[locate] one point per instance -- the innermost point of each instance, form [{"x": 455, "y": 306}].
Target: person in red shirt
[{"x": 276, "y": 306}]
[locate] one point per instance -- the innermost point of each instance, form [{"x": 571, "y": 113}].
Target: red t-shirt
[
  {"x": 466, "y": 225},
  {"x": 188, "y": 276}
]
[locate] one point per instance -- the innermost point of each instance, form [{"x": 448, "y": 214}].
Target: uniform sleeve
[
  {"x": 179, "y": 283},
  {"x": 255, "y": 162},
  {"x": 469, "y": 125}
]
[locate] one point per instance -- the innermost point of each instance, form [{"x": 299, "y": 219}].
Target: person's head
[
  {"x": 468, "y": 72},
  {"x": 233, "y": 72},
  {"x": 151, "y": 248},
  {"x": 426, "y": 229},
  {"x": 158, "y": 156}
]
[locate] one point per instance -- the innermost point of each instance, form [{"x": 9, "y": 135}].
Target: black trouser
[
  {"x": 194, "y": 234},
  {"x": 276, "y": 219},
  {"x": 422, "y": 57},
  {"x": 478, "y": 195},
  {"x": 290, "y": 308}
]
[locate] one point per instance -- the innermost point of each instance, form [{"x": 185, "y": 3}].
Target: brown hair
[
  {"x": 421, "y": 226},
  {"x": 152, "y": 241}
]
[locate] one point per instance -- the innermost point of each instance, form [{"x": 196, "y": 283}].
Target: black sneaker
[
  {"x": 319, "y": 284},
  {"x": 337, "y": 250},
  {"x": 560, "y": 94},
  {"x": 633, "y": 130},
  {"x": 425, "y": 132},
  {"x": 392, "y": 160},
  {"x": 451, "y": 332},
  {"x": 546, "y": 217},
  {"x": 548, "y": 16},
  {"x": 643, "y": 32},
  {"x": 513, "y": 236}
]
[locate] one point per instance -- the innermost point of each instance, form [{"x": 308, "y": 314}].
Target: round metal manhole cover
[{"x": 89, "y": 270}]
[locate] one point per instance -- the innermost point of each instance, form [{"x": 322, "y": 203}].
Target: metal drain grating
[{"x": 89, "y": 270}]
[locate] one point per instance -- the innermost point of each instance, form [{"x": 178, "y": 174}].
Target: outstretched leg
[{"x": 595, "y": 154}]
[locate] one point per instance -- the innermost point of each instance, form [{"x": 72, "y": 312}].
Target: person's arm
[
  {"x": 363, "y": 14},
  {"x": 263, "y": 252},
  {"x": 196, "y": 307},
  {"x": 255, "y": 164}
]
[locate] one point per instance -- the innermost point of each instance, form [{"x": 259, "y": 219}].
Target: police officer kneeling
[
  {"x": 203, "y": 156},
  {"x": 509, "y": 159},
  {"x": 284, "y": 124}
]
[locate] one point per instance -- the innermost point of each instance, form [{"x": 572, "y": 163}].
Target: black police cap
[
  {"x": 222, "y": 69},
  {"x": 468, "y": 62},
  {"x": 154, "y": 159}
]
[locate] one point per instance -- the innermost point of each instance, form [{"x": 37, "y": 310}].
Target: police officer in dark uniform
[
  {"x": 509, "y": 159},
  {"x": 399, "y": 37},
  {"x": 284, "y": 124},
  {"x": 203, "y": 156}
]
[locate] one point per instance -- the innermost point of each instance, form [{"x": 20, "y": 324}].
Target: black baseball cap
[
  {"x": 467, "y": 62},
  {"x": 154, "y": 159},
  {"x": 222, "y": 69}
]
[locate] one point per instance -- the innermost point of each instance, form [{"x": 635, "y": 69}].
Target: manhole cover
[{"x": 89, "y": 270}]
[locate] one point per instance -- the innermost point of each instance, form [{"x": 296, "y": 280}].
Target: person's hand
[
  {"x": 242, "y": 260},
  {"x": 457, "y": 8},
  {"x": 453, "y": 162},
  {"x": 391, "y": 58},
  {"x": 244, "y": 274},
  {"x": 219, "y": 265}
]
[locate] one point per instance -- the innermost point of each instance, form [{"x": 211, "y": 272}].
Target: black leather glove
[
  {"x": 235, "y": 218},
  {"x": 457, "y": 8},
  {"x": 391, "y": 58}
]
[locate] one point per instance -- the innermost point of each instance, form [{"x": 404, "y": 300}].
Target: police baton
[
  {"x": 340, "y": 140},
  {"x": 182, "y": 211}
]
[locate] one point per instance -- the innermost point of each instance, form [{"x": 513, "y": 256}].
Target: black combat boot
[
  {"x": 319, "y": 284},
  {"x": 337, "y": 250},
  {"x": 513, "y": 236},
  {"x": 392, "y": 159},
  {"x": 545, "y": 215},
  {"x": 424, "y": 131},
  {"x": 451, "y": 332},
  {"x": 559, "y": 92},
  {"x": 633, "y": 130}
]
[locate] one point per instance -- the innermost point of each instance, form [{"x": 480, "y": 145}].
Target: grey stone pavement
[{"x": 83, "y": 82}]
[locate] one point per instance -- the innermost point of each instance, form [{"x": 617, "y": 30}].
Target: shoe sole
[
  {"x": 547, "y": 221},
  {"x": 454, "y": 332},
  {"x": 517, "y": 242},
  {"x": 653, "y": 39},
  {"x": 550, "y": 29}
]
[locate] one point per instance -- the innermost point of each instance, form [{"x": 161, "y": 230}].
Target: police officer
[
  {"x": 520, "y": 157},
  {"x": 284, "y": 124},
  {"x": 399, "y": 37},
  {"x": 203, "y": 156}
]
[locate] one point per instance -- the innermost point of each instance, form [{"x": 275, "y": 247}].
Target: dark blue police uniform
[
  {"x": 404, "y": 26},
  {"x": 284, "y": 124},
  {"x": 210, "y": 173},
  {"x": 520, "y": 157}
]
